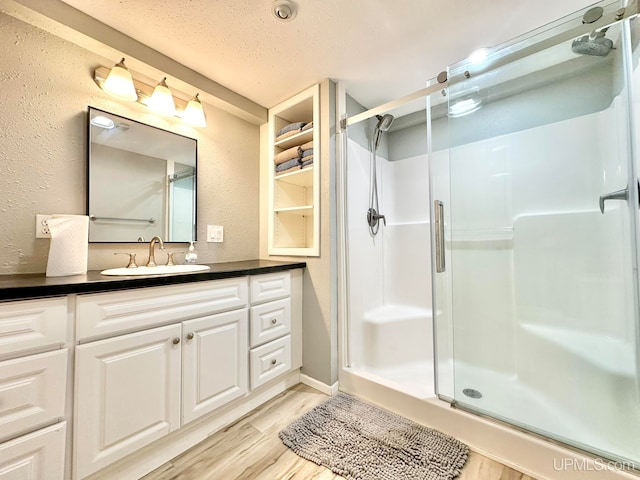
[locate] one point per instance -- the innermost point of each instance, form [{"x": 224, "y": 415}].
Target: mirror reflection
[{"x": 142, "y": 181}]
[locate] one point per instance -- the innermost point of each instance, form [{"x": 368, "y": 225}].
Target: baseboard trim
[{"x": 318, "y": 385}]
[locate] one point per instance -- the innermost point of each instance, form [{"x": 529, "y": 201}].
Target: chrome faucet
[{"x": 152, "y": 258}]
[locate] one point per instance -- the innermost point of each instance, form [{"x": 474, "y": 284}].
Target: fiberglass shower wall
[
  {"x": 543, "y": 323},
  {"x": 390, "y": 331}
]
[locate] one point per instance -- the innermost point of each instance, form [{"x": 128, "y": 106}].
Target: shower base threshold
[{"x": 415, "y": 378}]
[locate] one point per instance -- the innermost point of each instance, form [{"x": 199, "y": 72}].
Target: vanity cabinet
[
  {"x": 135, "y": 388},
  {"x": 132, "y": 378},
  {"x": 33, "y": 383}
]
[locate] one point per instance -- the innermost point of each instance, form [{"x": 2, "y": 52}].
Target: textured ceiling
[{"x": 380, "y": 50}]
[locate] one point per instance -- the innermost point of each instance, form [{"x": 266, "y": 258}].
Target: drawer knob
[
  {"x": 190, "y": 336},
  {"x": 274, "y": 321},
  {"x": 176, "y": 341},
  {"x": 274, "y": 361}
]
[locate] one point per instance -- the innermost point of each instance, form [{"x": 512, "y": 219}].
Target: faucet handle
[
  {"x": 170, "y": 258},
  {"x": 132, "y": 259}
]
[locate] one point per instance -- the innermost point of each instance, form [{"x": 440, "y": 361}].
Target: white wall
[
  {"x": 46, "y": 86},
  {"x": 391, "y": 269}
]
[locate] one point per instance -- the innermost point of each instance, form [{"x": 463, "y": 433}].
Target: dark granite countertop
[{"x": 33, "y": 285}]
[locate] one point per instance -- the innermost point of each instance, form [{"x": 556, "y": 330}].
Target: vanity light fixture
[
  {"x": 194, "y": 113},
  {"x": 102, "y": 122},
  {"x": 119, "y": 83},
  {"x": 158, "y": 98},
  {"x": 161, "y": 100}
]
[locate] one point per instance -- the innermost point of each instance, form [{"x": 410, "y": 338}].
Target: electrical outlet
[
  {"x": 42, "y": 228},
  {"x": 215, "y": 233}
]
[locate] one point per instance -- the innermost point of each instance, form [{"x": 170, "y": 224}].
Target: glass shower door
[{"x": 542, "y": 237}]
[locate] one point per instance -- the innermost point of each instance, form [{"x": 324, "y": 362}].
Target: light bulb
[
  {"x": 161, "y": 100},
  {"x": 194, "y": 113},
  {"x": 119, "y": 83}
]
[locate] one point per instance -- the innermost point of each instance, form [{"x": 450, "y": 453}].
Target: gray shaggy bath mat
[{"x": 361, "y": 442}]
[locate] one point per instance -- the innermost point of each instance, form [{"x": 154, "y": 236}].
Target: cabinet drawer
[
  {"x": 270, "y": 286},
  {"x": 270, "y": 321},
  {"x": 32, "y": 324},
  {"x": 37, "y": 456},
  {"x": 103, "y": 314},
  {"x": 270, "y": 360},
  {"x": 32, "y": 391}
]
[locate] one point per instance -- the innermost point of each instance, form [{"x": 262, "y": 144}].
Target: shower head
[
  {"x": 384, "y": 123},
  {"x": 593, "y": 44}
]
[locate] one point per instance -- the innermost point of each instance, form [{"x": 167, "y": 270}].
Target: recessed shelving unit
[{"x": 294, "y": 196}]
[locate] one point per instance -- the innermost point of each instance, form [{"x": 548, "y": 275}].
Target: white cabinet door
[
  {"x": 37, "y": 456},
  {"x": 127, "y": 395},
  {"x": 214, "y": 362},
  {"x": 32, "y": 392}
]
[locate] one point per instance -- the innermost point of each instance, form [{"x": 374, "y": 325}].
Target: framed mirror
[{"x": 141, "y": 181}]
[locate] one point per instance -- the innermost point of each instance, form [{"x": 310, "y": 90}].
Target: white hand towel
[{"x": 68, "y": 251}]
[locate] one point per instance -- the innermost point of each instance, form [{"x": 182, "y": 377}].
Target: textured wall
[{"x": 45, "y": 87}]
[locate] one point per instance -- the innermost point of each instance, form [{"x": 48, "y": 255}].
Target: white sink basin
[{"x": 159, "y": 270}]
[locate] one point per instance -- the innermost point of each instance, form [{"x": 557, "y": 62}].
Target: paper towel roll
[{"x": 69, "y": 245}]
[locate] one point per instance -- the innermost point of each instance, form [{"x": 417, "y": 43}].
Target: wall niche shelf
[
  {"x": 298, "y": 139},
  {"x": 294, "y": 196}
]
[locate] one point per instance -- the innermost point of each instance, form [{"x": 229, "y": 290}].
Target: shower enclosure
[
  {"x": 533, "y": 176},
  {"x": 541, "y": 225},
  {"x": 389, "y": 278}
]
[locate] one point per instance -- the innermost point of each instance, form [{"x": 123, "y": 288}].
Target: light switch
[{"x": 215, "y": 233}]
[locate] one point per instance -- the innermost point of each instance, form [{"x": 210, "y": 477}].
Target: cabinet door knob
[
  {"x": 274, "y": 321},
  {"x": 190, "y": 336},
  {"x": 176, "y": 341},
  {"x": 274, "y": 361}
]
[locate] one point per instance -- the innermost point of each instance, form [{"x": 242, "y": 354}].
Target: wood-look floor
[{"x": 251, "y": 450}]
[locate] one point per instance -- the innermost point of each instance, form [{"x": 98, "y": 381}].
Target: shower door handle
[{"x": 438, "y": 211}]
